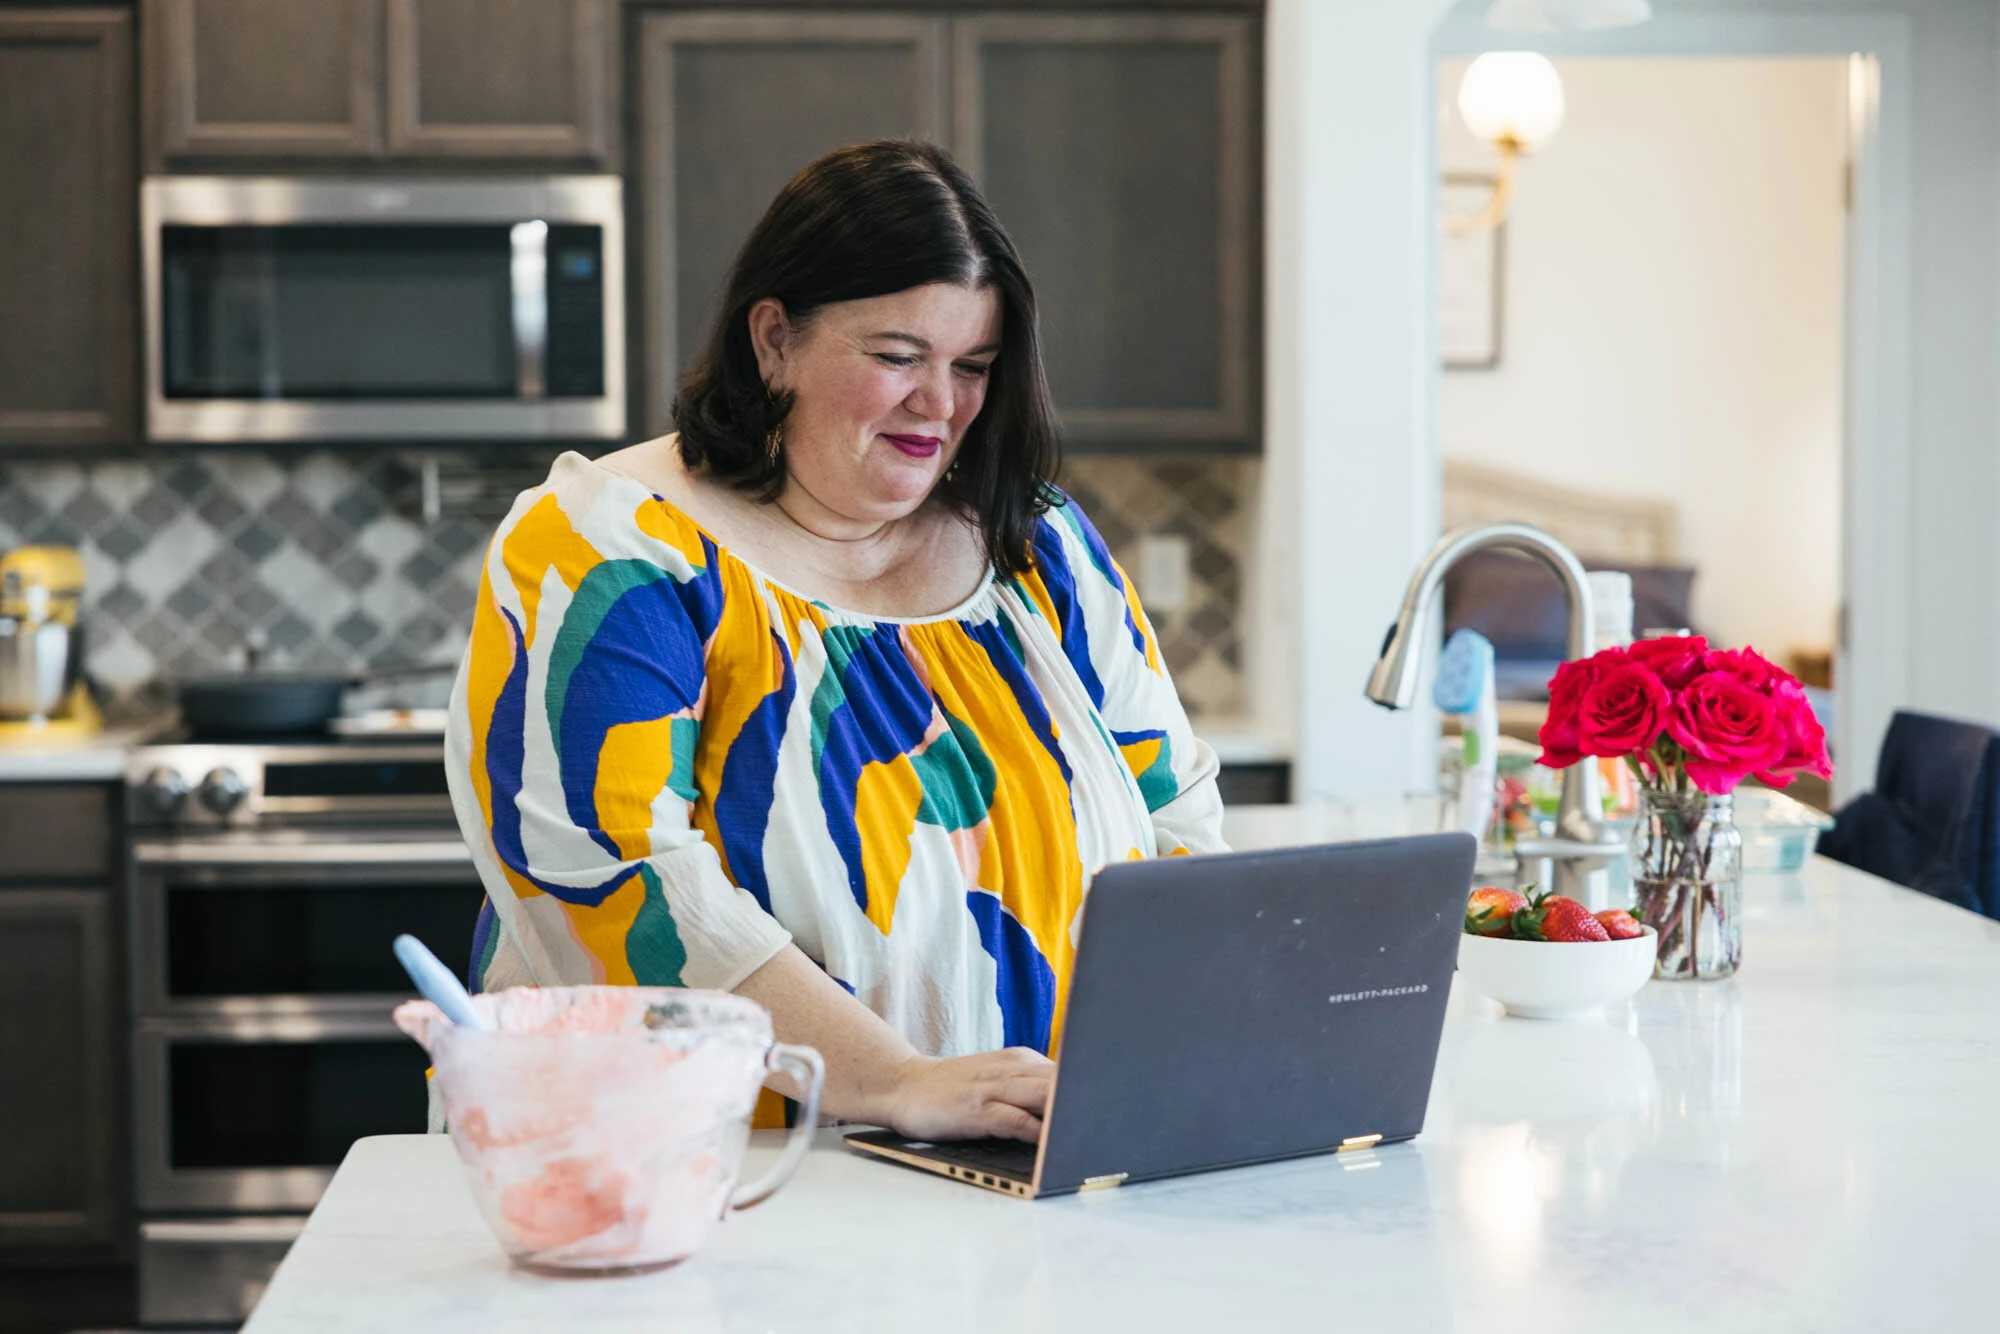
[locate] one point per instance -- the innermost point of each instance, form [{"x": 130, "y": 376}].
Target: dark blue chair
[{"x": 1933, "y": 821}]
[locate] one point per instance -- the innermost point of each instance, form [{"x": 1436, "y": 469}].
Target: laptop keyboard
[
  {"x": 1001, "y": 1157},
  {"x": 1011, "y": 1159}
]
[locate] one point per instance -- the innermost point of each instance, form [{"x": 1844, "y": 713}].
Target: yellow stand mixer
[{"x": 41, "y": 698}]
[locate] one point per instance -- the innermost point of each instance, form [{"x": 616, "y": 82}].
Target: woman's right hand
[{"x": 1001, "y": 1094}]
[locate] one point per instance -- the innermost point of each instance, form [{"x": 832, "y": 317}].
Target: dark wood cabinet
[
  {"x": 68, "y": 232},
  {"x": 61, "y": 1181},
  {"x": 1120, "y": 151},
  {"x": 730, "y": 105},
  {"x": 418, "y": 80},
  {"x": 1119, "y": 148},
  {"x": 499, "y": 78},
  {"x": 262, "y": 78},
  {"x": 64, "y": 1173}
]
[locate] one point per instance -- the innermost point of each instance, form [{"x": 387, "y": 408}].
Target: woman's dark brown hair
[{"x": 868, "y": 221}]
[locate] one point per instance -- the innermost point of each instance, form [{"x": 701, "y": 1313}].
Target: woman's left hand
[{"x": 1001, "y": 1094}]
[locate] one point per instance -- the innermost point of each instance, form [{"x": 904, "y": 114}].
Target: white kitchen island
[{"x": 1806, "y": 1147}]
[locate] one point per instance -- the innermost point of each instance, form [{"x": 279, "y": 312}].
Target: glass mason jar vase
[{"x": 1687, "y": 878}]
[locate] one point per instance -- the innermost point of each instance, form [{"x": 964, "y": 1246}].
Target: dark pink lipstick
[{"x": 916, "y": 446}]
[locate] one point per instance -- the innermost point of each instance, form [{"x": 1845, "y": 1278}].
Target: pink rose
[
  {"x": 1805, "y": 739},
  {"x": 1561, "y": 746},
  {"x": 1749, "y": 666},
  {"x": 1728, "y": 730},
  {"x": 1676, "y": 659},
  {"x": 1623, "y": 711}
]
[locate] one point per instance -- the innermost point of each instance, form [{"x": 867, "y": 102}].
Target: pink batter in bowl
[{"x": 602, "y": 1128}]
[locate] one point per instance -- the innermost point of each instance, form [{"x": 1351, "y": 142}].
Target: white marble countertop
[
  {"x": 1804, "y": 1147},
  {"x": 68, "y": 758},
  {"x": 101, "y": 756}
]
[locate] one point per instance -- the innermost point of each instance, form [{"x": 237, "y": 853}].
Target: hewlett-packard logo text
[{"x": 1377, "y": 993}]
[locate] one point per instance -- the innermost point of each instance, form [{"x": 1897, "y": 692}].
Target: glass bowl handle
[{"x": 808, "y": 1073}]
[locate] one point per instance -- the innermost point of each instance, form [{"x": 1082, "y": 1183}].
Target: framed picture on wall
[{"x": 1471, "y": 278}]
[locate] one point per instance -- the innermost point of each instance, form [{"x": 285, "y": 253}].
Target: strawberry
[
  {"x": 1620, "y": 924},
  {"x": 1554, "y": 917},
  {"x": 1490, "y": 910}
]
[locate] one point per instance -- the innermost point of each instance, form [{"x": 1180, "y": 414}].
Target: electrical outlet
[{"x": 1163, "y": 572}]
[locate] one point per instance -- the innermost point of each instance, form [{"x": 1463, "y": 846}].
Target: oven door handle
[
  {"x": 280, "y": 1020},
  {"x": 278, "y": 1231},
  {"x": 169, "y": 852}
]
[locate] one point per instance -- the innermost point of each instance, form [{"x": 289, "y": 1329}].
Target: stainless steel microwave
[{"x": 383, "y": 308}]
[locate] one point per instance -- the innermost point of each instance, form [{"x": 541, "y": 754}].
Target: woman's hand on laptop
[
  {"x": 997, "y": 1093},
  {"x": 874, "y": 1076}
]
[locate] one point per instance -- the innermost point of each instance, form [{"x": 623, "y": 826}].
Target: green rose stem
[{"x": 1674, "y": 861}]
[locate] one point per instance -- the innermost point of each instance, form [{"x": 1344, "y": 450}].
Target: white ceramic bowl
[{"x": 1539, "y": 979}]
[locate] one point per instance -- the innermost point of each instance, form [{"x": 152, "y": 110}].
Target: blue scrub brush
[{"x": 1464, "y": 687}]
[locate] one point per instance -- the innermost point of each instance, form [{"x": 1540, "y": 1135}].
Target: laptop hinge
[
  {"x": 1107, "y": 1182},
  {"x": 1354, "y": 1142}
]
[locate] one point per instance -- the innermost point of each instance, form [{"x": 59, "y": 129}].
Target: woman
[{"x": 829, "y": 699}]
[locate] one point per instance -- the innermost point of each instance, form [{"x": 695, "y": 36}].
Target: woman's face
[{"x": 883, "y": 391}]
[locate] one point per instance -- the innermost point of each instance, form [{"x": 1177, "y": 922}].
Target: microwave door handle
[{"x": 530, "y": 283}]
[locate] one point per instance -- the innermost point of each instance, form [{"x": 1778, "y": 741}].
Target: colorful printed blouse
[{"x": 668, "y": 765}]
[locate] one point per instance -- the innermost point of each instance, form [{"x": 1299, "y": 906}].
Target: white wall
[
  {"x": 1349, "y": 483},
  {"x": 1349, "y": 493},
  {"x": 1672, "y": 321}
]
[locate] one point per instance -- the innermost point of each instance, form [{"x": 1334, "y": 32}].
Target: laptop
[{"x": 1234, "y": 1009}]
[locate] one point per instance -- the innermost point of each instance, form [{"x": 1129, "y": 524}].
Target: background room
[{"x": 1645, "y": 355}]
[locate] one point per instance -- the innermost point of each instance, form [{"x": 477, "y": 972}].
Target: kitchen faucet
[{"x": 1582, "y": 844}]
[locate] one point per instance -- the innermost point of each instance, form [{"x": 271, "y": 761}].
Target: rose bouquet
[{"x": 1692, "y": 723}]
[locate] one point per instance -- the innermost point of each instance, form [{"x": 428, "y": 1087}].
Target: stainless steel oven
[
  {"x": 281, "y": 308},
  {"x": 266, "y": 884}
]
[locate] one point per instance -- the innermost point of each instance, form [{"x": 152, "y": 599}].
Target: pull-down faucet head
[{"x": 1393, "y": 684}]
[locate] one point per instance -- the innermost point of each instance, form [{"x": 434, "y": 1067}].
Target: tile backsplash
[
  {"x": 321, "y": 554},
  {"x": 326, "y": 559},
  {"x": 1203, "y": 500}
]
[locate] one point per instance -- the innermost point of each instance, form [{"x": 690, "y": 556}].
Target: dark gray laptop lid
[{"x": 1252, "y": 1006}]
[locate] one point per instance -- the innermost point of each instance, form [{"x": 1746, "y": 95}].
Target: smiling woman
[{"x": 830, "y": 698}]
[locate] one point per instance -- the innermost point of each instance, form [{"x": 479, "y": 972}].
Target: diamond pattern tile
[
  {"x": 222, "y": 634},
  {"x": 257, "y": 539},
  {"x": 120, "y": 603},
  {"x": 222, "y": 509},
  {"x": 289, "y": 632},
  {"x": 324, "y": 553},
  {"x": 1203, "y": 501},
  {"x": 357, "y": 507},
  {"x": 189, "y": 601},
  {"x": 158, "y": 504},
  {"x": 319, "y": 538},
  {"x": 122, "y": 542},
  {"x": 228, "y": 572},
  {"x": 120, "y": 484},
  {"x": 19, "y": 508},
  {"x": 55, "y": 530},
  {"x": 90, "y": 512},
  {"x": 188, "y": 480},
  {"x": 357, "y": 630},
  {"x": 422, "y": 570},
  {"x": 356, "y": 570}
]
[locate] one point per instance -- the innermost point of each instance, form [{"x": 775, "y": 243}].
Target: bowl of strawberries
[{"x": 1544, "y": 956}]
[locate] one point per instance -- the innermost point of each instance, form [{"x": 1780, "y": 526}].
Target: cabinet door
[
  {"x": 731, "y": 106},
  {"x": 500, "y": 78},
  {"x": 1119, "y": 150},
  {"x": 61, "y": 1179},
  {"x": 262, "y": 78},
  {"x": 68, "y": 234}
]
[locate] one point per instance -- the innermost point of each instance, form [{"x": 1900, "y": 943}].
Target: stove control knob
[
  {"x": 164, "y": 791},
  {"x": 223, "y": 791}
]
